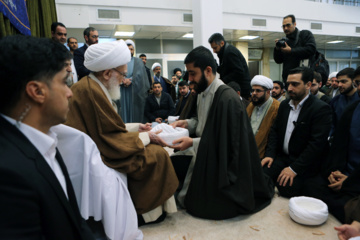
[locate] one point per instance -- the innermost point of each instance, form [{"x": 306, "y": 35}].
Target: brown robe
[
  {"x": 265, "y": 126},
  {"x": 151, "y": 176}
]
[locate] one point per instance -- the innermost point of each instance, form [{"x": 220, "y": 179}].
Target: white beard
[{"x": 114, "y": 88}]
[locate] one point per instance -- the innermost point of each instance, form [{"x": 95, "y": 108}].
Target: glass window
[
  {"x": 333, "y": 66},
  {"x": 343, "y": 64},
  {"x": 338, "y": 54},
  {"x": 355, "y": 54}
]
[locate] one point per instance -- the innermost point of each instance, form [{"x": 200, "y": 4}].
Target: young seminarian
[
  {"x": 36, "y": 194},
  {"x": 224, "y": 178}
]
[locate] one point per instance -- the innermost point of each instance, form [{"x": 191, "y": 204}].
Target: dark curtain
[{"x": 41, "y": 14}]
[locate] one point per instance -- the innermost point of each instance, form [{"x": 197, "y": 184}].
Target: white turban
[
  {"x": 130, "y": 42},
  {"x": 333, "y": 75},
  {"x": 155, "y": 65},
  {"x": 102, "y": 56},
  {"x": 262, "y": 81}
]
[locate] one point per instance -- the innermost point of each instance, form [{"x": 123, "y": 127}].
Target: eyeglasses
[
  {"x": 286, "y": 25},
  {"x": 257, "y": 90},
  {"x": 121, "y": 73}
]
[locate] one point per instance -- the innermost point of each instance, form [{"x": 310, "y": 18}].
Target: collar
[
  {"x": 291, "y": 103},
  {"x": 43, "y": 142},
  {"x": 92, "y": 76},
  {"x": 292, "y": 35}
]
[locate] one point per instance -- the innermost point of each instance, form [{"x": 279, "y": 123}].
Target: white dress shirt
[{"x": 46, "y": 145}]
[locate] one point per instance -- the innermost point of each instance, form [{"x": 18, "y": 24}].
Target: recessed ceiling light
[
  {"x": 188, "y": 35},
  {"x": 337, "y": 41},
  {"x": 125, "y": 34},
  {"x": 248, "y": 37},
  {"x": 358, "y": 46}
]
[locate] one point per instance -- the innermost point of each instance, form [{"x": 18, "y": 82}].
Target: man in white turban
[
  {"x": 134, "y": 89},
  {"x": 334, "y": 90},
  {"x": 262, "y": 110},
  {"x": 127, "y": 148},
  {"x": 166, "y": 84}
]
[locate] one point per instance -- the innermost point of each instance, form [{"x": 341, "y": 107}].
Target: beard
[
  {"x": 346, "y": 90},
  {"x": 258, "y": 101},
  {"x": 114, "y": 88},
  {"x": 297, "y": 96},
  {"x": 276, "y": 96},
  {"x": 202, "y": 85}
]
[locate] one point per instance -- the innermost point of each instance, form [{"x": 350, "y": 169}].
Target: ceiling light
[
  {"x": 358, "y": 46},
  {"x": 188, "y": 35},
  {"x": 337, "y": 41},
  {"x": 249, "y": 37},
  {"x": 125, "y": 34}
]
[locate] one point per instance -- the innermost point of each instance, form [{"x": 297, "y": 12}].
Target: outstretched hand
[
  {"x": 145, "y": 127},
  {"x": 179, "y": 123},
  {"x": 154, "y": 138},
  {"x": 182, "y": 143}
]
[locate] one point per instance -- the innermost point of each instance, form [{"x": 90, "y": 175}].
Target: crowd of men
[{"x": 302, "y": 137}]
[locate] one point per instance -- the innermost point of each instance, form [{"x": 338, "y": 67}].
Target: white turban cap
[
  {"x": 130, "y": 42},
  {"x": 102, "y": 56},
  {"x": 155, "y": 65},
  {"x": 262, "y": 81},
  {"x": 333, "y": 75}
]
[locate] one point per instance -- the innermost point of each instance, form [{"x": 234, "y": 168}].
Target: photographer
[{"x": 298, "y": 45}]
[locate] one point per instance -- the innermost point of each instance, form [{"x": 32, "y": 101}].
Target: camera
[{"x": 281, "y": 42}]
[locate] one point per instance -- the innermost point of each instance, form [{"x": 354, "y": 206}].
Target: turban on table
[
  {"x": 263, "y": 81},
  {"x": 102, "y": 56}
]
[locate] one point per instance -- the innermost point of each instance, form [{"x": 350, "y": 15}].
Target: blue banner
[{"x": 16, "y": 12}]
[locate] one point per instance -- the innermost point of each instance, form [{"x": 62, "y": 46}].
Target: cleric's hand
[
  {"x": 145, "y": 127},
  {"x": 155, "y": 139},
  {"x": 182, "y": 143}
]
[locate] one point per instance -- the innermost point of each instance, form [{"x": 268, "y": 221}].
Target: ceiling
[{"x": 266, "y": 39}]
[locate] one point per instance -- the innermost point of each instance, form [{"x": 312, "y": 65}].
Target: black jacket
[
  {"x": 227, "y": 179},
  {"x": 308, "y": 142},
  {"x": 153, "y": 110},
  {"x": 33, "y": 202},
  {"x": 233, "y": 67},
  {"x": 79, "y": 58},
  {"x": 304, "y": 49}
]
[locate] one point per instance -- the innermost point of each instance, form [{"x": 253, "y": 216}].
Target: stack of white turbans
[
  {"x": 102, "y": 56},
  {"x": 170, "y": 134},
  {"x": 155, "y": 65},
  {"x": 263, "y": 81},
  {"x": 333, "y": 75},
  {"x": 308, "y": 211},
  {"x": 130, "y": 42}
]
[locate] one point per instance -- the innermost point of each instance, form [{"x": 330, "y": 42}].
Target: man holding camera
[{"x": 296, "y": 46}]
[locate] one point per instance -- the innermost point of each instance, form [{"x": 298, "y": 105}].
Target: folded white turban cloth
[
  {"x": 102, "y": 56},
  {"x": 130, "y": 42},
  {"x": 308, "y": 211},
  {"x": 261, "y": 80},
  {"x": 333, "y": 75},
  {"x": 155, "y": 65},
  {"x": 170, "y": 134}
]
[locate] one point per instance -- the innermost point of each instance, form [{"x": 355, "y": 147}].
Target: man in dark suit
[
  {"x": 298, "y": 138},
  {"x": 36, "y": 195},
  {"x": 159, "y": 105},
  {"x": 91, "y": 37},
  {"x": 233, "y": 66}
]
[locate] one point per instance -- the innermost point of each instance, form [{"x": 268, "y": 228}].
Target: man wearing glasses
[
  {"x": 297, "y": 46},
  {"x": 297, "y": 141},
  {"x": 262, "y": 110}
]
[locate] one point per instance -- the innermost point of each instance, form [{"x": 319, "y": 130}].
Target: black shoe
[{"x": 141, "y": 221}]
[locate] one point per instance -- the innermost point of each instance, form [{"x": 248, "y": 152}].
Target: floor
[{"x": 273, "y": 222}]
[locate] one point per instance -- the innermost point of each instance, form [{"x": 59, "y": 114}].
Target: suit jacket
[
  {"x": 34, "y": 205},
  {"x": 233, "y": 67},
  {"x": 79, "y": 58},
  {"x": 170, "y": 87},
  {"x": 153, "y": 110},
  {"x": 308, "y": 141}
]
